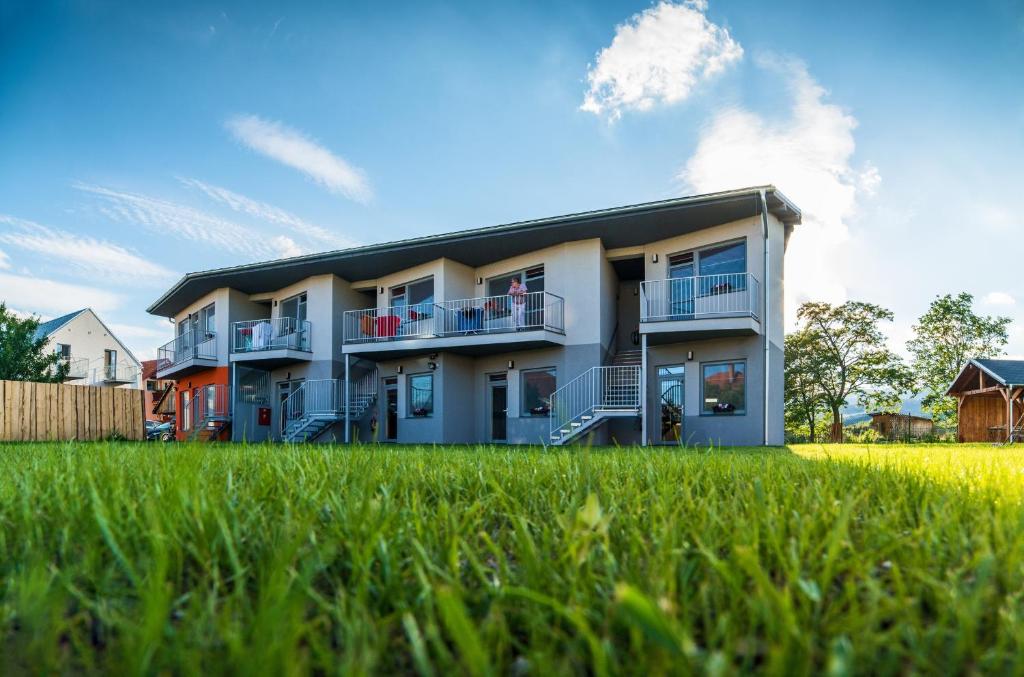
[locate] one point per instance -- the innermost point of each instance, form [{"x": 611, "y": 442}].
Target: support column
[
  {"x": 348, "y": 413},
  {"x": 643, "y": 389}
]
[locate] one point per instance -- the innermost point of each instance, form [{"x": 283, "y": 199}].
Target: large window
[
  {"x": 537, "y": 387},
  {"x": 721, "y": 259},
  {"x": 417, "y": 297},
  {"x": 421, "y": 395},
  {"x": 64, "y": 350},
  {"x": 724, "y": 387},
  {"x": 203, "y": 321},
  {"x": 533, "y": 307},
  {"x": 294, "y": 307}
]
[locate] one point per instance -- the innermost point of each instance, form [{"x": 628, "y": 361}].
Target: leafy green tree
[
  {"x": 945, "y": 337},
  {"x": 23, "y": 357},
  {"x": 805, "y": 403},
  {"x": 851, "y": 358}
]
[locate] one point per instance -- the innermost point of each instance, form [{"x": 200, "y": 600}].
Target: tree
[
  {"x": 23, "y": 357},
  {"x": 805, "y": 402},
  {"x": 851, "y": 358},
  {"x": 945, "y": 337}
]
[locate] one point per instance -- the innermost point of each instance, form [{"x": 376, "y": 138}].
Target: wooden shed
[
  {"x": 990, "y": 401},
  {"x": 896, "y": 426}
]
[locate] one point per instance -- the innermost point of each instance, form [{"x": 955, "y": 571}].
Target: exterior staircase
[
  {"x": 596, "y": 395},
  {"x": 209, "y": 414},
  {"x": 319, "y": 404},
  {"x": 627, "y": 358}
]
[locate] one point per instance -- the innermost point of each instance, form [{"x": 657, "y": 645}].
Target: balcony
[
  {"x": 706, "y": 306},
  {"x": 271, "y": 342},
  {"x": 117, "y": 374},
  {"x": 77, "y": 368},
  {"x": 191, "y": 352},
  {"x": 474, "y": 326}
]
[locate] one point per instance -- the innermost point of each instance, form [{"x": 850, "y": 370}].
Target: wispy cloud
[
  {"x": 998, "y": 298},
  {"x": 5, "y": 261},
  {"x": 809, "y": 157},
  {"x": 170, "y": 218},
  {"x": 270, "y": 214},
  {"x": 297, "y": 150},
  {"x": 49, "y": 297},
  {"x": 658, "y": 56},
  {"x": 93, "y": 257}
]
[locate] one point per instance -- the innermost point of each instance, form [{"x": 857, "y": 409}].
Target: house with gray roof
[{"x": 91, "y": 351}]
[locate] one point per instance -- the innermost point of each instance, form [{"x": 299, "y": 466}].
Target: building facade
[
  {"x": 90, "y": 350},
  {"x": 658, "y": 323}
]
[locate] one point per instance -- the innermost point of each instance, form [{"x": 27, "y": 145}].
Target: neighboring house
[
  {"x": 92, "y": 353},
  {"x": 652, "y": 323},
  {"x": 159, "y": 393},
  {"x": 897, "y": 426},
  {"x": 990, "y": 396}
]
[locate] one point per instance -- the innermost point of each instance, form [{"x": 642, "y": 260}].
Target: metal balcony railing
[
  {"x": 77, "y": 367},
  {"x": 188, "y": 346},
  {"x": 278, "y": 333},
  {"x": 700, "y": 297},
  {"x": 118, "y": 373},
  {"x": 463, "y": 317}
]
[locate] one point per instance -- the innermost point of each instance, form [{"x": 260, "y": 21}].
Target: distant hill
[{"x": 855, "y": 413}]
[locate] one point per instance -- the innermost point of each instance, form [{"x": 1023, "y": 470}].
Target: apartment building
[
  {"x": 90, "y": 350},
  {"x": 658, "y": 323}
]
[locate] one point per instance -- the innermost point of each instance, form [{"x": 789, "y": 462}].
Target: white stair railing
[{"x": 594, "y": 391}]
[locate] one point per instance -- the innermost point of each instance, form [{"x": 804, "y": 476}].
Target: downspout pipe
[{"x": 766, "y": 315}]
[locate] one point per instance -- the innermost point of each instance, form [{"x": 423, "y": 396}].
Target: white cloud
[
  {"x": 269, "y": 213},
  {"x": 169, "y": 218},
  {"x": 658, "y": 56},
  {"x": 48, "y": 297},
  {"x": 293, "y": 148},
  {"x": 998, "y": 298},
  {"x": 5, "y": 261},
  {"x": 88, "y": 255},
  {"x": 808, "y": 157}
]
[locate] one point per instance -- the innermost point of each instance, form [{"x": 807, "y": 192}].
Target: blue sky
[{"x": 137, "y": 144}]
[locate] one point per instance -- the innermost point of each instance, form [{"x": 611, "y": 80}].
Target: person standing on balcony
[{"x": 518, "y": 293}]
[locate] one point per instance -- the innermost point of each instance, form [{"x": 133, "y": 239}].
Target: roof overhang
[
  {"x": 618, "y": 227},
  {"x": 960, "y": 382}
]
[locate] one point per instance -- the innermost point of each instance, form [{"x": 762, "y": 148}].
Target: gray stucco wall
[{"x": 698, "y": 428}]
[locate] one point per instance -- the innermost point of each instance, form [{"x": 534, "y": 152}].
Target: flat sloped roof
[{"x": 618, "y": 227}]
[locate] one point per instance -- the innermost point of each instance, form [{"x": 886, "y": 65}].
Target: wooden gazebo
[{"x": 990, "y": 401}]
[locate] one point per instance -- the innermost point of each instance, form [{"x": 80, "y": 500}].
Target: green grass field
[{"x": 136, "y": 559}]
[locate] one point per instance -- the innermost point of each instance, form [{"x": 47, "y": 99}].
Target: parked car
[{"x": 159, "y": 432}]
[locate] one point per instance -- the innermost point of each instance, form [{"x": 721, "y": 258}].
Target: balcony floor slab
[
  {"x": 186, "y": 367},
  {"x": 271, "y": 359},
  {"x": 674, "y": 331},
  {"x": 464, "y": 344}
]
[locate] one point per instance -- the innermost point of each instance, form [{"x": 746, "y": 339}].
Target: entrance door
[
  {"x": 288, "y": 407},
  {"x": 670, "y": 403},
  {"x": 391, "y": 409},
  {"x": 498, "y": 387}
]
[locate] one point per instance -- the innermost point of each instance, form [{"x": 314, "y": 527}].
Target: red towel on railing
[{"x": 387, "y": 325}]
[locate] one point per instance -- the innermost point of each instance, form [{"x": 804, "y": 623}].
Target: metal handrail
[
  {"x": 77, "y": 367},
  {"x": 325, "y": 397},
  {"x": 701, "y": 296},
  {"x": 193, "y": 344},
  {"x": 612, "y": 388},
  {"x": 118, "y": 372},
  {"x": 459, "y": 317},
  {"x": 277, "y": 333}
]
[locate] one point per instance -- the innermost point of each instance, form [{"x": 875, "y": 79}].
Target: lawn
[{"x": 133, "y": 559}]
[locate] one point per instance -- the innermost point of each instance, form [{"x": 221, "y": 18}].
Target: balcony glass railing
[
  {"x": 76, "y": 367},
  {"x": 700, "y": 297},
  {"x": 463, "y": 317},
  {"x": 118, "y": 373},
  {"x": 279, "y": 333},
  {"x": 188, "y": 346}
]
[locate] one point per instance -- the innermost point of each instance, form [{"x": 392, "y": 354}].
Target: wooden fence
[{"x": 54, "y": 411}]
